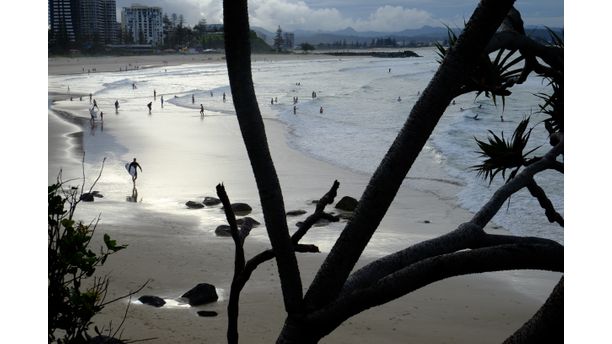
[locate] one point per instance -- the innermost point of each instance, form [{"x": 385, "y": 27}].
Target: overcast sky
[{"x": 362, "y": 15}]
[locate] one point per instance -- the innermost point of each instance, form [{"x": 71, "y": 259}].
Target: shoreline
[{"x": 170, "y": 241}]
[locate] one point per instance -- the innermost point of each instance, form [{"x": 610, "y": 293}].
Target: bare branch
[
  {"x": 546, "y": 326},
  {"x": 549, "y": 209},
  {"x": 231, "y": 220},
  {"x": 425, "y": 272},
  {"x": 237, "y": 52},
  {"x": 382, "y": 188},
  {"x": 328, "y": 198}
]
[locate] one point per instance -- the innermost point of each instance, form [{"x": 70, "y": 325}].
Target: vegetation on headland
[{"x": 481, "y": 60}]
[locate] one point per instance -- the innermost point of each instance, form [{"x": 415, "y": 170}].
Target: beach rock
[
  {"x": 223, "y": 231},
  {"x": 194, "y": 205},
  {"x": 241, "y": 209},
  {"x": 347, "y": 203},
  {"x": 87, "y": 197},
  {"x": 296, "y": 212},
  {"x": 253, "y": 222},
  {"x": 97, "y": 194},
  {"x": 201, "y": 294},
  {"x": 207, "y": 313},
  {"x": 210, "y": 201},
  {"x": 150, "y": 300},
  {"x": 320, "y": 223}
]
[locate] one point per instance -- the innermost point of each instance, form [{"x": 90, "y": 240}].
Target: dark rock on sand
[
  {"x": 201, "y": 294},
  {"x": 347, "y": 203},
  {"x": 223, "y": 230},
  {"x": 194, "y": 205},
  {"x": 296, "y": 212},
  {"x": 97, "y": 194},
  {"x": 210, "y": 201},
  {"x": 254, "y": 222},
  {"x": 150, "y": 300},
  {"x": 320, "y": 223},
  {"x": 87, "y": 197},
  {"x": 207, "y": 313},
  {"x": 241, "y": 208}
]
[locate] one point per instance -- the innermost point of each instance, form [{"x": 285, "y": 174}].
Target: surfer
[
  {"x": 132, "y": 170},
  {"x": 399, "y": 99}
]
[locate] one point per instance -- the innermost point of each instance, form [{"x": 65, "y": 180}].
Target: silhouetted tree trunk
[{"x": 334, "y": 295}]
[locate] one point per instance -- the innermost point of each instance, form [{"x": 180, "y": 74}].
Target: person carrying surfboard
[{"x": 132, "y": 169}]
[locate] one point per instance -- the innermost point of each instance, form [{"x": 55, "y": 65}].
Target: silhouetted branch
[
  {"x": 237, "y": 52},
  {"x": 546, "y": 326},
  {"x": 551, "y": 214},
  {"x": 455, "y": 69},
  {"x": 430, "y": 270},
  {"x": 328, "y": 198}
]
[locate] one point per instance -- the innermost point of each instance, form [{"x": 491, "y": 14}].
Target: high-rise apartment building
[
  {"x": 143, "y": 24},
  {"x": 64, "y": 19},
  {"x": 84, "y": 21}
]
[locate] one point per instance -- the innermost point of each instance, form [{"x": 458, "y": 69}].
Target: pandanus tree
[{"x": 491, "y": 55}]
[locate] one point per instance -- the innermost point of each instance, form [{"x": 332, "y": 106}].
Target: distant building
[
  {"x": 63, "y": 19},
  {"x": 143, "y": 24},
  {"x": 214, "y": 27},
  {"x": 288, "y": 40},
  {"x": 84, "y": 21}
]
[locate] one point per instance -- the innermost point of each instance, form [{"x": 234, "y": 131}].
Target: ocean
[{"x": 364, "y": 103}]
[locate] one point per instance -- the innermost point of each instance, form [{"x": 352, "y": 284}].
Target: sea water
[{"x": 364, "y": 102}]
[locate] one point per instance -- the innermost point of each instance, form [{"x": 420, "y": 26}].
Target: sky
[{"x": 361, "y": 15}]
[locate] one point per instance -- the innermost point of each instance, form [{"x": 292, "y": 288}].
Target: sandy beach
[{"x": 175, "y": 248}]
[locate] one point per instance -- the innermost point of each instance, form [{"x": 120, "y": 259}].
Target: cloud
[{"x": 394, "y": 18}]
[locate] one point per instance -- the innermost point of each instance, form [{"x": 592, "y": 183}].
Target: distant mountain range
[{"x": 424, "y": 34}]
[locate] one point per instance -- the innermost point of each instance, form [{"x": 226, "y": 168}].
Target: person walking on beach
[
  {"x": 116, "y": 106},
  {"x": 162, "y": 101},
  {"x": 149, "y": 106},
  {"x": 192, "y": 99},
  {"x": 224, "y": 97},
  {"x": 90, "y": 98},
  {"x": 133, "y": 165},
  {"x": 101, "y": 116},
  {"x": 154, "y": 94},
  {"x": 201, "y": 110},
  {"x": 294, "y": 109}
]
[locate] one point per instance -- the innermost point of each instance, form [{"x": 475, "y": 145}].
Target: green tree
[
  {"x": 75, "y": 294},
  {"x": 306, "y": 47},
  {"x": 339, "y": 291},
  {"x": 278, "y": 40}
]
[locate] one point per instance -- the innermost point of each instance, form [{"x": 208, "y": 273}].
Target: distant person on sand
[
  {"x": 116, "y": 105},
  {"x": 271, "y": 100},
  {"x": 276, "y": 100},
  {"x": 95, "y": 104},
  {"x": 134, "y": 165},
  {"x": 133, "y": 85},
  {"x": 162, "y": 101},
  {"x": 294, "y": 109},
  {"x": 192, "y": 99},
  {"x": 201, "y": 109},
  {"x": 102, "y": 116},
  {"x": 224, "y": 97},
  {"x": 149, "y": 106},
  {"x": 389, "y": 70},
  {"x": 154, "y": 94},
  {"x": 90, "y": 98}
]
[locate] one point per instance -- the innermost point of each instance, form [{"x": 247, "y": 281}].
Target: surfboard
[{"x": 131, "y": 171}]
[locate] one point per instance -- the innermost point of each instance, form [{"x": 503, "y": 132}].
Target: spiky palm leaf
[
  {"x": 553, "y": 107},
  {"x": 502, "y": 155},
  {"x": 452, "y": 39},
  {"x": 556, "y": 40}
]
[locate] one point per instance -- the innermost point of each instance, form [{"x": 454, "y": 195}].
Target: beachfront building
[
  {"x": 98, "y": 20},
  {"x": 63, "y": 19},
  {"x": 143, "y": 24},
  {"x": 288, "y": 40}
]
